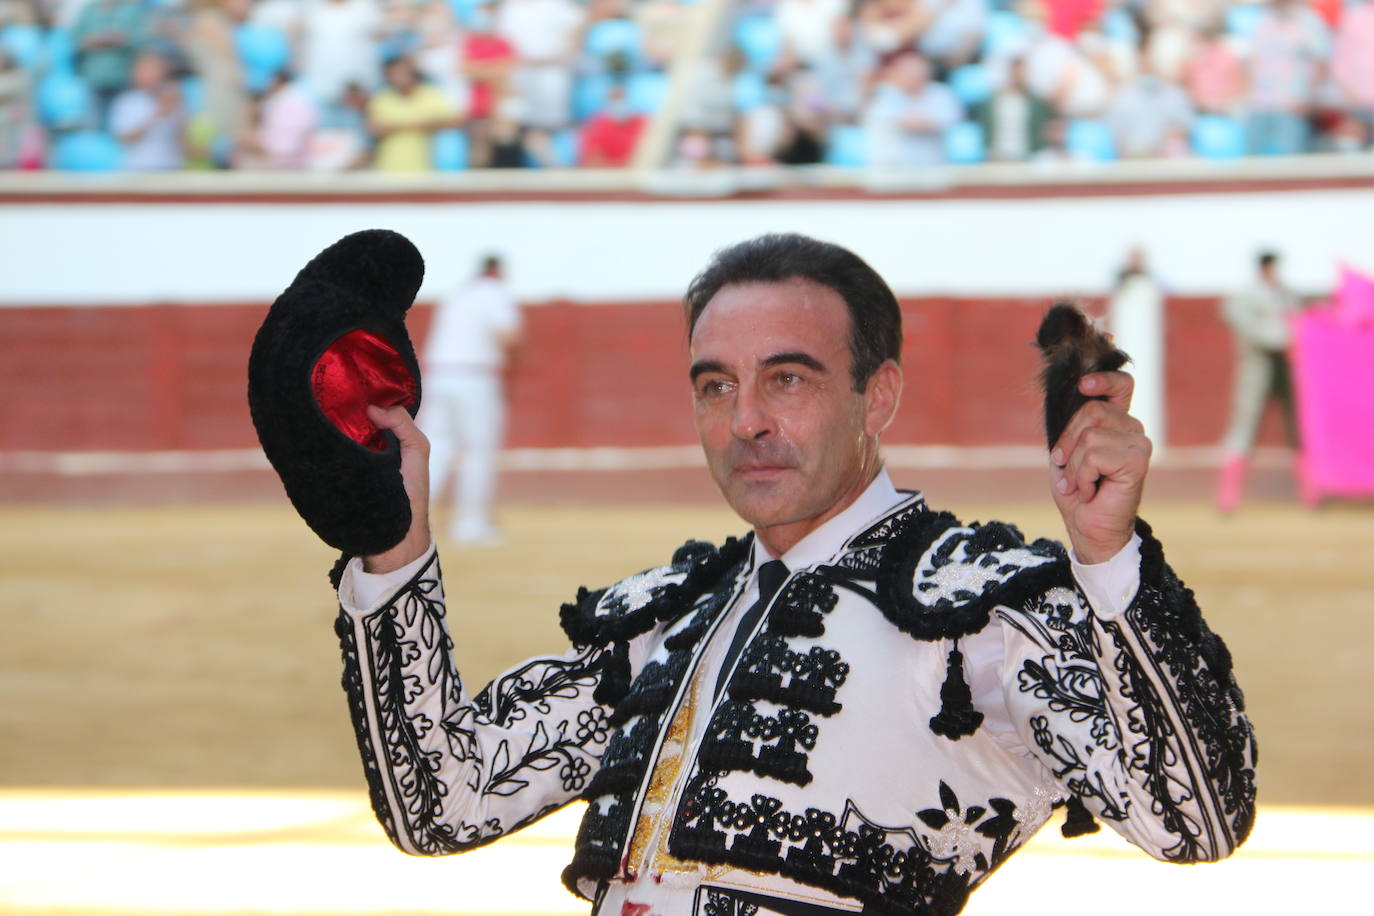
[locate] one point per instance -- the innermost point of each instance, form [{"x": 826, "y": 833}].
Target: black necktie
[{"x": 771, "y": 577}]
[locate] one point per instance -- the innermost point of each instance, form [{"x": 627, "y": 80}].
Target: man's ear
[{"x": 882, "y": 395}]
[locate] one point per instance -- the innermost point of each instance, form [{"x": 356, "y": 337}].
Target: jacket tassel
[
  {"x": 1078, "y": 820},
  {"x": 956, "y": 717},
  {"x": 615, "y": 675}
]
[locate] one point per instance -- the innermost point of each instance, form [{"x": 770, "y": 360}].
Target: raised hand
[
  {"x": 1098, "y": 468},
  {"x": 415, "y": 475}
]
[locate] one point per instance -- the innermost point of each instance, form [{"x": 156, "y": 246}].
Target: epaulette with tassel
[{"x": 939, "y": 579}]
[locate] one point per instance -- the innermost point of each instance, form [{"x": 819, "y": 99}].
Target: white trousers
[
  {"x": 463, "y": 415},
  {"x": 1260, "y": 375}
]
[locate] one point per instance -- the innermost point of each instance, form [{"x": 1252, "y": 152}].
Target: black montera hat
[{"x": 334, "y": 342}]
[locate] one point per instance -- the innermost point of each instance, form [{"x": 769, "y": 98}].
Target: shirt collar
[{"x": 823, "y": 543}]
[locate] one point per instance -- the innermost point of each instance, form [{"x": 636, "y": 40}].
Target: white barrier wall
[{"x": 94, "y": 252}]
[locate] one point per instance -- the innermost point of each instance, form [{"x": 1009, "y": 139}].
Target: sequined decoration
[{"x": 637, "y": 591}]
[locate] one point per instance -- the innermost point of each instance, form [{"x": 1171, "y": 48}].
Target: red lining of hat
[{"x": 360, "y": 368}]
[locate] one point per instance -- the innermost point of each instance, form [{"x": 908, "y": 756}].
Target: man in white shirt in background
[
  {"x": 545, "y": 35},
  {"x": 476, "y": 329},
  {"x": 904, "y": 123},
  {"x": 149, "y": 119},
  {"x": 338, "y": 46}
]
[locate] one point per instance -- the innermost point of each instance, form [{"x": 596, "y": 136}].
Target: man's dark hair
[
  {"x": 875, "y": 319},
  {"x": 1268, "y": 259}
]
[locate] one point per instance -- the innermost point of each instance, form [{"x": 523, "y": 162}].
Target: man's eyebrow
[
  {"x": 795, "y": 356},
  {"x": 701, "y": 367}
]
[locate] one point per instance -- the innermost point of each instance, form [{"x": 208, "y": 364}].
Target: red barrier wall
[{"x": 173, "y": 377}]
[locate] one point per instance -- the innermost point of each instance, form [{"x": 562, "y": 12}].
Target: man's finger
[
  {"x": 1099, "y": 453},
  {"x": 399, "y": 421},
  {"x": 1092, "y": 415},
  {"x": 1116, "y": 387}
]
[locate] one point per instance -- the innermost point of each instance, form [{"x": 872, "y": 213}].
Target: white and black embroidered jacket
[{"x": 846, "y": 752}]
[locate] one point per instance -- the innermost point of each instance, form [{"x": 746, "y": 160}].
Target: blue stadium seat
[
  {"x": 645, "y": 91},
  {"x": 449, "y": 150},
  {"x": 564, "y": 144},
  {"x": 760, "y": 39},
  {"x": 465, "y": 11},
  {"x": 845, "y": 146},
  {"x": 60, "y": 51},
  {"x": 589, "y": 95},
  {"x": 1241, "y": 18},
  {"x": 1090, "y": 140},
  {"x": 614, "y": 36},
  {"x": 964, "y": 143},
  {"x": 86, "y": 151},
  {"x": 1218, "y": 137},
  {"x": 24, "y": 44},
  {"x": 1118, "y": 25},
  {"x": 192, "y": 95},
  {"x": 263, "y": 50},
  {"x": 971, "y": 83},
  {"x": 1005, "y": 33},
  {"x": 64, "y": 101},
  {"x": 748, "y": 90}
]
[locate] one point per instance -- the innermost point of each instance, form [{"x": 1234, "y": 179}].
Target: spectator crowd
[{"x": 419, "y": 85}]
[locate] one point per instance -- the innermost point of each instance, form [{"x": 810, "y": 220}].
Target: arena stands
[{"x": 449, "y": 85}]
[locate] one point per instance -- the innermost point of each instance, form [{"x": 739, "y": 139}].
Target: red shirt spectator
[
  {"x": 487, "y": 60},
  {"x": 609, "y": 137},
  {"x": 1067, "y": 18},
  {"x": 1329, "y": 10}
]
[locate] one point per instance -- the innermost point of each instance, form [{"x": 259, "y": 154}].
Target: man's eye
[
  {"x": 712, "y": 387},
  {"x": 788, "y": 379}
]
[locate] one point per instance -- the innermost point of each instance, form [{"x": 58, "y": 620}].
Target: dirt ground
[{"x": 192, "y": 646}]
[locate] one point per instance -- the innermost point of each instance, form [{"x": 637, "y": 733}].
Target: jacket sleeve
[
  {"x": 1135, "y": 713},
  {"x": 447, "y": 771}
]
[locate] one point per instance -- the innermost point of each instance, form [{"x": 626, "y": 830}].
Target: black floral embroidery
[
  {"x": 653, "y": 690},
  {"x": 1070, "y": 680},
  {"x": 724, "y": 903},
  {"x": 892, "y": 869},
  {"x": 737, "y": 728},
  {"x": 801, "y": 681},
  {"x": 639, "y": 715},
  {"x": 1162, "y": 629},
  {"x": 593, "y": 724},
  {"x": 406, "y": 643},
  {"x": 770, "y": 670},
  {"x": 354, "y": 690},
  {"x": 1188, "y": 654},
  {"x": 801, "y": 608},
  {"x": 574, "y": 774}
]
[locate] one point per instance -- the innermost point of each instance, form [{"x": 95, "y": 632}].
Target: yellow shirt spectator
[{"x": 404, "y": 116}]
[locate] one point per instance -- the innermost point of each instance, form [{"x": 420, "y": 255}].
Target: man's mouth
[{"x": 758, "y": 470}]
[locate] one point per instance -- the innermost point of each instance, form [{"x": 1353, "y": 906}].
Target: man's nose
[{"x": 751, "y": 419}]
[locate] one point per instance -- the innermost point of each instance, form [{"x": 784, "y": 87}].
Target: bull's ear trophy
[
  {"x": 1071, "y": 348},
  {"x": 334, "y": 342}
]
